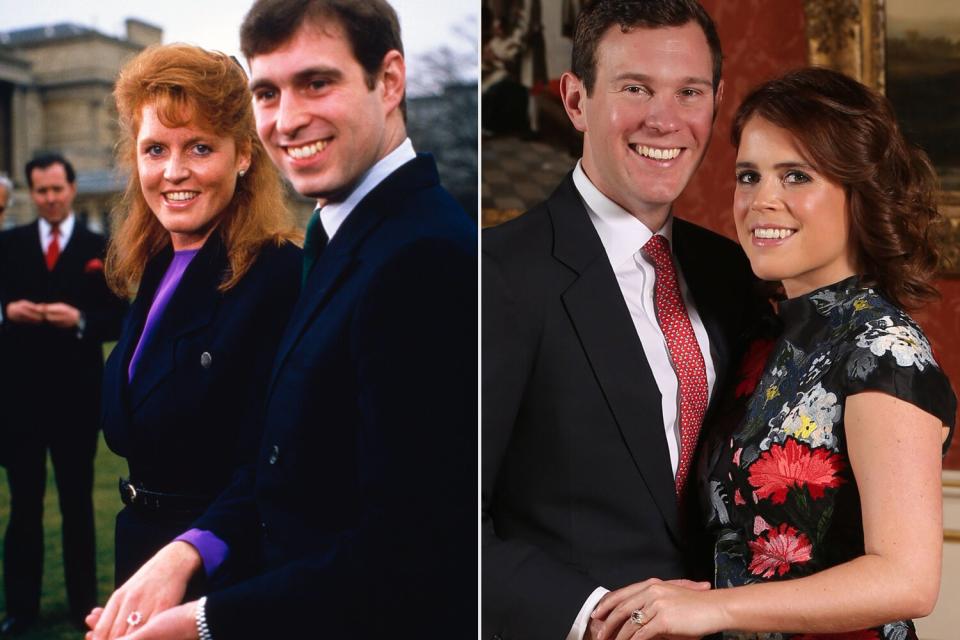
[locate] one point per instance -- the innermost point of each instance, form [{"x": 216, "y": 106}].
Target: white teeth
[
  {"x": 773, "y": 234},
  {"x": 656, "y": 154},
  {"x": 307, "y": 150},
  {"x": 179, "y": 196}
]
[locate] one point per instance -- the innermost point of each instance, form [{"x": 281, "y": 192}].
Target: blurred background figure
[
  {"x": 58, "y": 312},
  {"x": 6, "y": 195}
]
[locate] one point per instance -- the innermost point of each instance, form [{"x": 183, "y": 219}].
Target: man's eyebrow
[
  {"x": 300, "y": 77},
  {"x": 642, "y": 77}
]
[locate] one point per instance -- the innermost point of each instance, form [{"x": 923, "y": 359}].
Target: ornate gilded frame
[{"x": 849, "y": 36}]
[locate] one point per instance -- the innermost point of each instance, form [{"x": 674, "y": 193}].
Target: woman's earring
[{"x": 242, "y": 172}]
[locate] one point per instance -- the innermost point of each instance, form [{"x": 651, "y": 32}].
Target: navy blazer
[
  {"x": 59, "y": 369},
  {"x": 577, "y": 487},
  {"x": 183, "y": 422},
  {"x": 364, "y": 497}
]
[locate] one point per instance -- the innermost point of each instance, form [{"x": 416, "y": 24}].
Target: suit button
[
  {"x": 206, "y": 359},
  {"x": 274, "y": 454}
]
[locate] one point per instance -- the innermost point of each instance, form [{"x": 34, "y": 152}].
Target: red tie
[
  {"x": 684, "y": 351},
  {"x": 53, "y": 249}
]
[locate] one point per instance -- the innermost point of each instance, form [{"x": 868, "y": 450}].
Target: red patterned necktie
[
  {"x": 53, "y": 249},
  {"x": 685, "y": 354}
]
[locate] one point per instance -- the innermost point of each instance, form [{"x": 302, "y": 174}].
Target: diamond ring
[
  {"x": 638, "y": 618},
  {"x": 136, "y": 618}
]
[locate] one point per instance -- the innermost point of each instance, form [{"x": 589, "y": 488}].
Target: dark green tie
[{"x": 314, "y": 243}]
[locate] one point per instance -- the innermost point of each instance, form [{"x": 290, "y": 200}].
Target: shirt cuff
[
  {"x": 583, "y": 618},
  {"x": 213, "y": 551}
]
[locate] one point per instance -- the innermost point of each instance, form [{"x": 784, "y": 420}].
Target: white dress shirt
[
  {"x": 65, "y": 231},
  {"x": 623, "y": 237},
  {"x": 333, "y": 214}
]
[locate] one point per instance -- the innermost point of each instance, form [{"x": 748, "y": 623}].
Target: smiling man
[
  {"x": 609, "y": 326},
  {"x": 360, "y": 513}
]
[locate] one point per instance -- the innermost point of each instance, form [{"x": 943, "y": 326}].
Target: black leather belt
[{"x": 135, "y": 495}]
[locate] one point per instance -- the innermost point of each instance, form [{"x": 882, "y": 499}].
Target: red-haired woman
[{"x": 202, "y": 238}]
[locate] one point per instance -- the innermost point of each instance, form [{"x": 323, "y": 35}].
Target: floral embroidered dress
[{"x": 783, "y": 499}]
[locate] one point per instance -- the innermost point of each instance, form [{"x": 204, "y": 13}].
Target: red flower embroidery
[
  {"x": 752, "y": 366},
  {"x": 795, "y": 465},
  {"x": 94, "y": 264},
  {"x": 867, "y": 634},
  {"x": 777, "y": 549}
]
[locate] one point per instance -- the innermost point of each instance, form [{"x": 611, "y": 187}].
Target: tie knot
[
  {"x": 55, "y": 229},
  {"x": 657, "y": 249}
]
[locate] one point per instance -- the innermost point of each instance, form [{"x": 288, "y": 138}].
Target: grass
[{"x": 54, "y": 610}]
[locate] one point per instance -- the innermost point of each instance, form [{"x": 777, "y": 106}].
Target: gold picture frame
[{"x": 850, "y": 36}]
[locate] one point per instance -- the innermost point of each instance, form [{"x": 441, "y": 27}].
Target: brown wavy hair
[
  {"x": 851, "y": 135},
  {"x": 189, "y": 85}
]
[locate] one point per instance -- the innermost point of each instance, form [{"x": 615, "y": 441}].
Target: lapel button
[{"x": 206, "y": 359}]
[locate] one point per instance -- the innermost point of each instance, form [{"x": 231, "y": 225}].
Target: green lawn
[{"x": 106, "y": 502}]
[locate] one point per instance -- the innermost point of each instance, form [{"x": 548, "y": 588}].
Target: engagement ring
[
  {"x": 136, "y": 618},
  {"x": 638, "y": 618}
]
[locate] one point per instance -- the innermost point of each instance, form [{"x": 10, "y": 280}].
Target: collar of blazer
[
  {"x": 192, "y": 306},
  {"x": 392, "y": 195}
]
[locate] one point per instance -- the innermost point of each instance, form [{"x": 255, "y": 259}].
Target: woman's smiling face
[
  {"x": 792, "y": 221},
  {"x": 188, "y": 175}
]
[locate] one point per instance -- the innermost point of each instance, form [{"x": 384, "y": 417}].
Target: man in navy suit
[
  {"x": 57, "y": 313},
  {"x": 610, "y": 328},
  {"x": 362, "y": 506}
]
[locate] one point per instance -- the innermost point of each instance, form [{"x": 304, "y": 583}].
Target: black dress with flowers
[{"x": 783, "y": 502}]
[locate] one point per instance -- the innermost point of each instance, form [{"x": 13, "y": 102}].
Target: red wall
[{"x": 759, "y": 44}]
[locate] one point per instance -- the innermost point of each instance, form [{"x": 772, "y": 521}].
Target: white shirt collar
[
  {"x": 333, "y": 215},
  {"x": 65, "y": 231},
  {"x": 621, "y": 233}
]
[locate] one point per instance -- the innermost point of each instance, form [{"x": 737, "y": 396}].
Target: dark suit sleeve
[
  {"x": 410, "y": 556},
  {"x": 526, "y": 593}
]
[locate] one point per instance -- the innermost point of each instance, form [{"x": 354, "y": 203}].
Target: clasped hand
[
  {"x": 671, "y": 609},
  {"x": 59, "y": 314}
]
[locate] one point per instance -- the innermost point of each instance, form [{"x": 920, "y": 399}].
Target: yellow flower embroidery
[
  {"x": 807, "y": 426},
  {"x": 772, "y": 392},
  {"x": 860, "y": 305}
]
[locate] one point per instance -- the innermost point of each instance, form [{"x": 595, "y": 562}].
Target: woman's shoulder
[{"x": 888, "y": 351}]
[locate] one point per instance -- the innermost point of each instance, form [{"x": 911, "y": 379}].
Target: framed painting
[{"x": 910, "y": 50}]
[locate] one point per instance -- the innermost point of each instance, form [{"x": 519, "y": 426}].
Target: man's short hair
[
  {"x": 597, "y": 17},
  {"x": 47, "y": 160},
  {"x": 371, "y": 27}
]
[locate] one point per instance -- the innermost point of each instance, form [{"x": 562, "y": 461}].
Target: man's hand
[
  {"x": 25, "y": 311},
  {"x": 61, "y": 314},
  {"x": 178, "y": 623},
  {"x": 157, "y": 586}
]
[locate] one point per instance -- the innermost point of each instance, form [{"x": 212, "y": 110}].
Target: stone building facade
[{"x": 55, "y": 95}]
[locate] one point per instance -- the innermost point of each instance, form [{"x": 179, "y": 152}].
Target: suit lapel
[
  {"x": 602, "y": 321},
  {"x": 338, "y": 259},
  {"x": 191, "y": 307}
]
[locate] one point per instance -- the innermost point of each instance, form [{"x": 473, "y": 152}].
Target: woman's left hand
[{"x": 674, "y": 608}]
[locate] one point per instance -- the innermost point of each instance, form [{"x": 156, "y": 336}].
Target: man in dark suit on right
[
  {"x": 361, "y": 509},
  {"x": 609, "y": 326}
]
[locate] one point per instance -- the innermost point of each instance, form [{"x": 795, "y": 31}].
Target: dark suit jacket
[
  {"x": 45, "y": 366},
  {"x": 178, "y": 422},
  {"x": 364, "y": 495},
  {"x": 577, "y": 487},
  {"x": 186, "y": 423}
]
